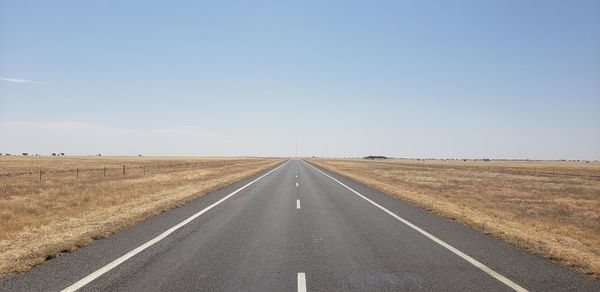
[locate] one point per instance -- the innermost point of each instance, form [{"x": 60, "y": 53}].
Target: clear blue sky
[{"x": 478, "y": 79}]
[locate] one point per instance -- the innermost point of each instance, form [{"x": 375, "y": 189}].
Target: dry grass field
[
  {"x": 39, "y": 219},
  {"x": 557, "y": 216}
]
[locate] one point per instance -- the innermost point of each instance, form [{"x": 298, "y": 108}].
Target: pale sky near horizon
[{"x": 443, "y": 79}]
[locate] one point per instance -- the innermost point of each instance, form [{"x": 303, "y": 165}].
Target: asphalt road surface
[{"x": 299, "y": 228}]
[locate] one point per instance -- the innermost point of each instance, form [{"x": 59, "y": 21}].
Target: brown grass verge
[
  {"x": 41, "y": 219},
  {"x": 552, "y": 215}
]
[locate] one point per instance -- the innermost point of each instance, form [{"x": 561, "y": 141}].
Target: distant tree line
[
  {"x": 373, "y": 157},
  {"x": 27, "y": 154}
]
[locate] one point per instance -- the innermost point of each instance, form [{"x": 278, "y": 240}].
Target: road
[{"x": 299, "y": 228}]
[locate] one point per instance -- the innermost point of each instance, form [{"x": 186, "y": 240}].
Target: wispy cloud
[{"x": 25, "y": 81}]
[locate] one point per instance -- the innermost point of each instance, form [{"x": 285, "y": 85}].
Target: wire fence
[{"x": 115, "y": 171}]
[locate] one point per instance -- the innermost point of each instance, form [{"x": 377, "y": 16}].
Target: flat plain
[
  {"x": 50, "y": 205},
  {"x": 549, "y": 207}
]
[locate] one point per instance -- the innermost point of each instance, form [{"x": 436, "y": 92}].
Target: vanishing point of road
[{"x": 297, "y": 227}]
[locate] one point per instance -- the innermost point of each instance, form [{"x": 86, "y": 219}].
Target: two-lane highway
[{"x": 297, "y": 228}]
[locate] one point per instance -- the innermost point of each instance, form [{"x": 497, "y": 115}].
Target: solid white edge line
[
  {"x": 297, "y": 204},
  {"x": 466, "y": 257},
  {"x": 77, "y": 285},
  {"x": 296, "y": 184},
  {"x": 301, "y": 282}
]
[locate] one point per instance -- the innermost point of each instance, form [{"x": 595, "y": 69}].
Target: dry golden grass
[
  {"x": 42, "y": 219},
  {"x": 572, "y": 168},
  {"x": 557, "y": 216}
]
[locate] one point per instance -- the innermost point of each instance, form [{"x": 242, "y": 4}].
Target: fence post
[
  {"x": 123, "y": 169},
  {"x": 105, "y": 171},
  {"x": 40, "y": 175},
  {"x": 77, "y": 171}
]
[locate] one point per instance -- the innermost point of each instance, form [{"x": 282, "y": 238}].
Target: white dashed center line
[
  {"x": 301, "y": 282},
  {"x": 297, "y": 204}
]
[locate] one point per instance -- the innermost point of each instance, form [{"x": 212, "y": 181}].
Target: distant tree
[
  {"x": 62, "y": 154},
  {"x": 53, "y": 154},
  {"x": 98, "y": 154},
  {"x": 25, "y": 153}
]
